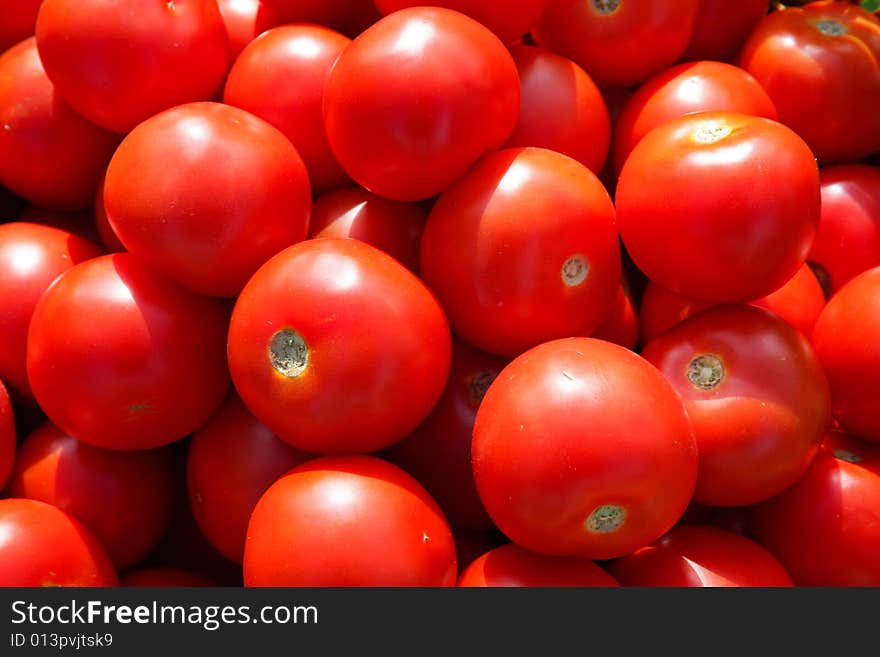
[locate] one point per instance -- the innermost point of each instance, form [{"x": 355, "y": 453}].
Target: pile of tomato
[{"x": 368, "y": 293}]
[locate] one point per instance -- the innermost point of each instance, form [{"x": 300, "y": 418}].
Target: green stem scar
[
  {"x": 288, "y": 353},
  {"x": 605, "y": 518},
  {"x": 705, "y": 371}
]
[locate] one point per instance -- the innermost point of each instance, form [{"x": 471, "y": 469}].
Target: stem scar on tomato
[
  {"x": 606, "y": 7},
  {"x": 705, "y": 371},
  {"x": 288, "y": 353},
  {"x": 606, "y": 518},
  {"x": 709, "y": 133},
  {"x": 478, "y": 385},
  {"x": 575, "y": 270},
  {"x": 846, "y": 455},
  {"x": 831, "y": 27}
]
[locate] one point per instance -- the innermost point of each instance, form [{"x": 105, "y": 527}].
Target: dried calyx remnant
[
  {"x": 606, "y": 518},
  {"x": 575, "y": 270},
  {"x": 606, "y": 6},
  {"x": 711, "y": 132},
  {"x": 288, "y": 353},
  {"x": 705, "y": 371}
]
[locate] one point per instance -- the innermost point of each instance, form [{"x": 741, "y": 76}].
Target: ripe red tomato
[
  {"x": 721, "y": 28},
  {"x": 19, "y": 21},
  {"x": 582, "y": 448},
  {"x": 522, "y": 250},
  {"x": 40, "y": 545},
  {"x": 259, "y": 82},
  {"x": 350, "y": 17},
  {"x": 165, "y": 576},
  {"x": 406, "y": 124},
  {"x": 819, "y": 64},
  {"x": 756, "y": 396},
  {"x": 116, "y": 71},
  {"x": 701, "y": 556},
  {"x": 701, "y": 210},
  {"x": 510, "y": 565},
  {"x": 336, "y": 347},
  {"x": 122, "y": 358},
  {"x": 348, "y": 521},
  {"x": 245, "y": 20},
  {"x": 7, "y": 436},
  {"x": 621, "y": 324}
]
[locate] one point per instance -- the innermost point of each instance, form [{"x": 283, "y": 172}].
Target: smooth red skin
[
  {"x": 848, "y": 241},
  {"x": 245, "y": 20},
  {"x": 701, "y": 556},
  {"x": 438, "y": 452},
  {"x": 348, "y": 521},
  {"x": 239, "y": 194},
  {"x": 573, "y": 425},
  {"x": 19, "y": 21},
  {"x": 826, "y": 88},
  {"x": 41, "y": 545},
  {"x": 124, "y": 498},
  {"x": 379, "y": 347},
  {"x": 351, "y": 17},
  {"x": 7, "y": 436},
  {"x": 115, "y": 71},
  {"x": 390, "y": 226},
  {"x": 721, "y": 29},
  {"x": 32, "y": 256},
  {"x": 109, "y": 239},
  {"x": 233, "y": 459},
  {"x": 621, "y": 49},
  {"x": 510, "y": 565},
  {"x": 405, "y": 125},
  {"x": 49, "y": 155},
  {"x": 494, "y": 247},
  {"x": 561, "y": 108},
  {"x": 760, "y": 427},
  {"x": 165, "y": 577},
  {"x": 799, "y": 302},
  {"x": 711, "y": 221},
  {"x": 260, "y": 82},
  {"x": 684, "y": 89},
  {"x": 621, "y": 324},
  {"x": 122, "y": 358},
  {"x": 845, "y": 341}
]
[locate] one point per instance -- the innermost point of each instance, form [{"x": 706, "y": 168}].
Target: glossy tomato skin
[
  {"x": 19, "y": 21},
  {"x": 621, "y": 324},
  {"x": 32, "y": 256},
  {"x": 720, "y": 29},
  {"x": 523, "y": 250},
  {"x": 701, "y": 556},
  {"x": 819, "y": 64},
  {"x": 337, "y": 347},
  {"x": 115, "y": 71},
  {"x": 165, "y": 576},
  {"x": 41, "y": 545},
  {"x": 124, "y": 498},
  {"x": 245, "y": 20},
  {"x": 348, "y": 521},
  {"x": 259, "y": 82},
  {"x": 49, "y": 155},
  {"x": 7, "y": 436},
  {"x": 756, "y": 395},
  {"x": 405, "y": 125},
  {"x": 148, "y": 373},
  {"x": 582, "y": 448},
  {"x": 701, "y": 211},
  {"x": 510, "y": 565}
]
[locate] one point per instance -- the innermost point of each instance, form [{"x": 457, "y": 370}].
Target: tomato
[
  {"x": 406, "y": 125},
  {"x": 701, "y": 556},
  {"x": 233, "y": 459},
  {"x": 336, "y": 347},
  {"x": 344, "y": 521},
  {"x": 523, "y": 250},
  {"x": 19, "y": 21},
  {"x": 756, "y": 395},
  {"x": 848, "y": 241},
  {"x": 702, "y": 212},
  {"x": 116, "y": 71},
  {"x": 510, "y": 565},
  {"x": 845, "y": 340},
  {"x": 686, "y": 89},
  {"x": 826, "y": 528},
  {"x": 350, "y": 17},
  {"x": 621, "y": 324},
  {"x": 124, "y": 498},
  {"x": 109, "y": 240},
  {"x": 164, "y": 576},
  {"x": 49, "y": 155},
  {"x": 561, "y": 108},
  {"x": 620, "y": 43},
  {"x": 582, "y": 448},
  {"x": 721, "y": 28},
  {"x": 7, "y": 436},
  {"x": 821, "y": 66},
  {"x": 259, "y": 82},
  {"x": 41, "y": 545},
  {"x": 245, "y": 20},
  {"x": 122, "y": 358}
]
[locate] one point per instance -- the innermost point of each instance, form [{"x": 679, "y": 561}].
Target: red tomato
[
  {"x": 721, "y": 28},
  {"x": 165, "y": 576},
  {"x": 48, "y": 154},
  {"x": 19, "y": 21},
  {"x": 755, "y": 394},
  {"x": 245, "y": 20},
  {"x": 821, "y": 66},
  {"x": 826, "y": 528},
  {"x": 701, "y": 556},
  {"x": 108, "y": 238},
  {"x": 336, "y": 347},
  {"x": 621, "y": 324},
  {"x": 40, "y": 545},
  {"x": 406, "y": 125},
  {"x": 510, "y": 565},
  {"x": 350, "y": 17},
  {"x": 582, "y": 448},
  {"x": 259, "y": 82},
  {"x": 522, "y": 250},
  {"x": 561, "y": 108},
  {"x": 7, "y": 436},
  {"x": 620, "y": 43},
  {"x": 117, "y": 71},
  {"x": 702, "y": 212},
  {"x": 348, "y": 521},
  {"x": 122, "y": 358}
]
